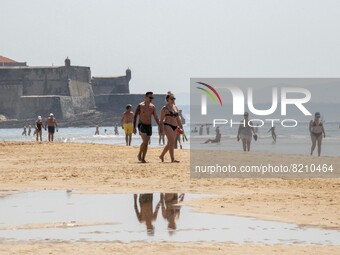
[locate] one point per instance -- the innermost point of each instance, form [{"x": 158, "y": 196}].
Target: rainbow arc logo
[{"x": 209, "y": 90}]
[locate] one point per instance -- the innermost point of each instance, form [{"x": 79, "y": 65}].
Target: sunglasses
[
  {"x": 150, "y": 97},
  {"x": 172, "y": 98}
]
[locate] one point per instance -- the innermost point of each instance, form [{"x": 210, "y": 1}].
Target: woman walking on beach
[
  {"x": 38, "y": 128},
  {"x": 171, "y": 123},
  {"x": 316, "y": 130},
  {"x": 245, "y": 132}
]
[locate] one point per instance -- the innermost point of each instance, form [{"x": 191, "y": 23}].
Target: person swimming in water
[{"x": 316, "y": 130}]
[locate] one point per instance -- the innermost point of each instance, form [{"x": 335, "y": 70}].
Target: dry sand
[{"x": 114, "y": 169}]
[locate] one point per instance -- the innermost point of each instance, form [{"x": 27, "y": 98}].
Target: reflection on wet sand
[
  {"x": 54, "y": 215},
  {"x": 146, "y": 214},
  {"x": 170, "y": 209}
]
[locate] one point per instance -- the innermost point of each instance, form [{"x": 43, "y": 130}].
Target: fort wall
[
  {"x": 116, "y": 103},
  {"x": 67, "y": 91},
  {"x": 26, "y": 91}
]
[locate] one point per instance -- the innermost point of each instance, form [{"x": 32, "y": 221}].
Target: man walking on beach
[
  {"x": 145, "y": 110},
  {"x": 51, "y": 124},
  {"x": 127, "y": 124}
]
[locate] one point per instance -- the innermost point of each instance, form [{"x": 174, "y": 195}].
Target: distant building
[
  {"x": 10, "y": 62},
  {"x": 26, "y": 92}
]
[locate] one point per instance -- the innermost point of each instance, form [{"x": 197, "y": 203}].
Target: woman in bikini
[
  {"x": 170, "y": 121},
  {"x": 316, "y": 130}
]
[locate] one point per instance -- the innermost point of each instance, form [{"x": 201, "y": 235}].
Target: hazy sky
[{"x": 166, "y": 42}]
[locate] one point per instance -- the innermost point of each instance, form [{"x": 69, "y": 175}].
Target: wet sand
[
  {"x": 95, "y": 168},
  {"x": 44, "y": 248}
]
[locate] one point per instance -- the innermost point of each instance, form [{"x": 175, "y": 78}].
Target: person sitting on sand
[
  {"x": 144, "y": 111},
  {"x": 171, "y": 122},
  {"x": 316, "y": 130},
  {"x": 217, "y": 137},
  {"x": 127, "y": 124},
  {"x": 245, "y": 132}
]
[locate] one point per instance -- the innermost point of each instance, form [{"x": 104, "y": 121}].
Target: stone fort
[{"x": 67, "y": 91}]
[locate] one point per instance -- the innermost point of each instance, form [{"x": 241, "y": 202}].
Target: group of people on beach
[
  {"x": 169, "y": 124},
  {"x": 247, "y": 131},
  {"x": 50, "y": 124}
]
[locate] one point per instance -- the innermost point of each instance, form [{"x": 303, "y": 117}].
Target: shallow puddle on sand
[{"x": 71, "y": 216}]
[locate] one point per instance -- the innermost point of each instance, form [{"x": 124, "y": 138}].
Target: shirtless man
[
  {"x": 145, "y": 110},
  {"x": 127, "y": 124},
  {"x": 51, "y": 124}
]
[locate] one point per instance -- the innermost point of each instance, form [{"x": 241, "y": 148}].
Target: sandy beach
[{"x": 94, "y": 168}]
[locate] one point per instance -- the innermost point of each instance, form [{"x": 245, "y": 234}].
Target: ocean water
[
  {"x": 295, "y": 140},
  {"x": 289, "y": 140},
  {"x": 84, "y": 135}
]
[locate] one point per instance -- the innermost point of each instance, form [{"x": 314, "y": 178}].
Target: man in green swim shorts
[{"x": 144, "y": 111}]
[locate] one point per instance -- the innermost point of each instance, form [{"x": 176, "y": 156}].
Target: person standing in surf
[
  {"x": 245, "y": 132},
  {"x": 316, "y": 130},
  {"x": 127, "y": 124}
]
